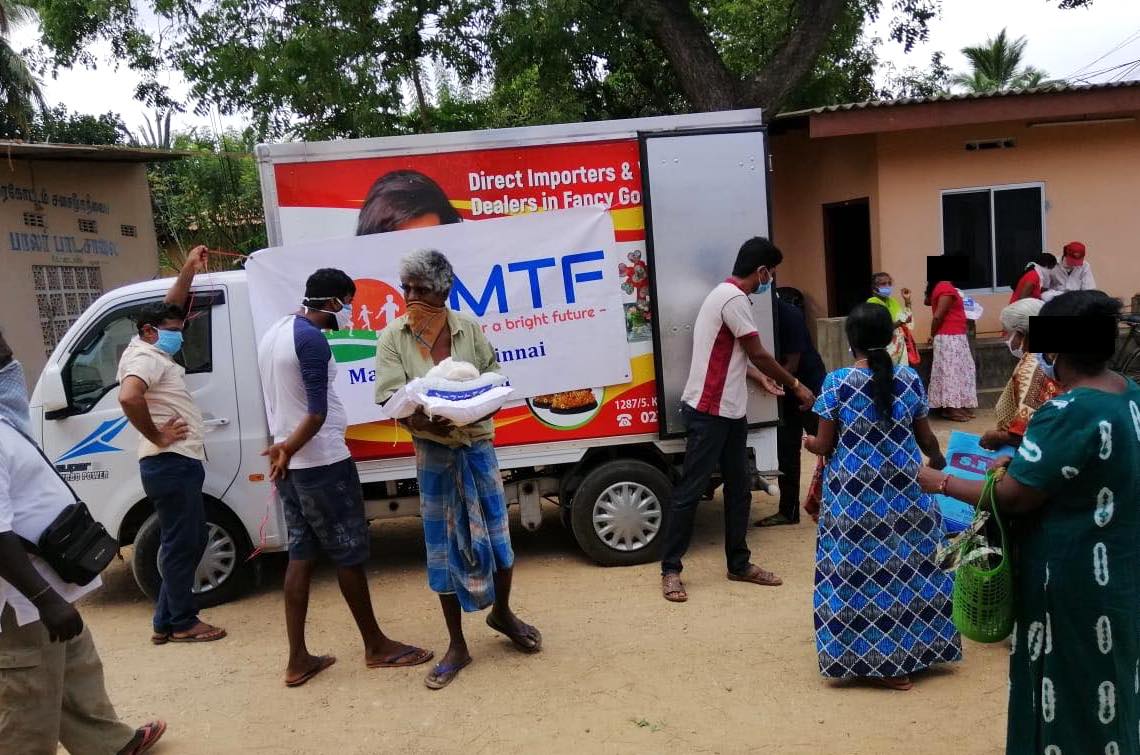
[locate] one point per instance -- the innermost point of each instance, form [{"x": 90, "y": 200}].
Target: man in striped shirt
[{"x": 714, "y": 404}]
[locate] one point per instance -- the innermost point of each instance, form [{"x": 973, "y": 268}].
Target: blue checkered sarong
[{"x": 464, "y": 512}]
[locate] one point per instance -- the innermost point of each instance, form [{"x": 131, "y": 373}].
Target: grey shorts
[{"x": 324, "y": 511}]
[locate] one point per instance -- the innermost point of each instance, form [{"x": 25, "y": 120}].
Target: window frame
[
  {"x": 203, "y": 302},
  {"x": 991, "y": 189}
]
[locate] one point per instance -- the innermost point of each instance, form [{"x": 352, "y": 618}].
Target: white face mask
[{"x": 1018, "y": 352}]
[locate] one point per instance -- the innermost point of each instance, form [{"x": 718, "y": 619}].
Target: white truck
[{"x": 684, "y": 193}]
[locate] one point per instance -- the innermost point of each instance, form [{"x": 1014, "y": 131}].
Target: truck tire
[
  {"x": 620, "y": 512},
  {"x": 223, "y": 574}
]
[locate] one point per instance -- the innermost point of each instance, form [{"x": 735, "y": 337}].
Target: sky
[{"x": 1063, "y": 43}]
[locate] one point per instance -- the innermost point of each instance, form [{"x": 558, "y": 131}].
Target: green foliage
[
  {"x": 996, "y": 66},
  {"x": 20, "y": 93},
  {"x": 61, "y": 126},
  {"x": 323, "y": 69},
  {"x": 212, "y": 197},
  {"x": 914, "y": 82}
]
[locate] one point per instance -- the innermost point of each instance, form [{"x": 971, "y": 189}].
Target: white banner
[{"x": 545, "y": 288}]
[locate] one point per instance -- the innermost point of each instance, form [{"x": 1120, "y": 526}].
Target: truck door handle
[{"x": 218, "y": 422}]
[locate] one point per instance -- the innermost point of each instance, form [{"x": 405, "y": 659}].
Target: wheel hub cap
[{"x": 627, "y": 516}]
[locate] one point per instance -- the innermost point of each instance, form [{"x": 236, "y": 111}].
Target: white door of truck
[
  {"x": 706, "y": 193},
  {"x": 91, "y": 441}
]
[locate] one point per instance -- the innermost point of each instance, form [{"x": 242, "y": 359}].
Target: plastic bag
[{"x": 974, "y": 310}]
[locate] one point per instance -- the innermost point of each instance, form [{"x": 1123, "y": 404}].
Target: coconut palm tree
[
  {"x": 996, "y": 66},
  {"x": 20, "y": 93}
]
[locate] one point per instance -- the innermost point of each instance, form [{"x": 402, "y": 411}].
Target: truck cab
[{"x": 75, "y": 410}]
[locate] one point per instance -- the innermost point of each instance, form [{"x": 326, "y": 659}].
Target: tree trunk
[
  {"x": 703, "y": 76},
  {"x": 421, "y": 100}
]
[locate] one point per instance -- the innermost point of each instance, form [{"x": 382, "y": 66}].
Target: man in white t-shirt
[
  {"x": 315, "y": 475},
  {"x": 714, "y": 404},
  {"x": 51, "y": 677}
]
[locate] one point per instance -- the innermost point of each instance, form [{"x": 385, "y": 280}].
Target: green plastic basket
[{"x": 983, "y": 598}]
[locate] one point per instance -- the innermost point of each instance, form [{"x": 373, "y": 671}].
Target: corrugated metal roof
[
  {"x": 950, "y": 97},
  {"x": 89, "y": 152}
]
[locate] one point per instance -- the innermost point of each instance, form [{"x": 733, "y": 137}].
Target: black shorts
[{"x": 324, "y": 511}]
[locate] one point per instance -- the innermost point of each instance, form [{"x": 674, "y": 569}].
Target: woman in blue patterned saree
[{"x": 881, "y": 602}]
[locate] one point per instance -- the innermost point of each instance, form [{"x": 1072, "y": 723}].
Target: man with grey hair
[{"x": 462, "y": 504}]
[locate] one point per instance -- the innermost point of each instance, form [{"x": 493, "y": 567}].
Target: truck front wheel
[
  {"x": 223, "y": 573},
  {"x": 620, "y": 512}
]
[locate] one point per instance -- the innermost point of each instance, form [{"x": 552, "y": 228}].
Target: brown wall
[
  {"x": 805, "y": 176},
  {"x": 118, "y": 195},
  {"x": 1089, "y": 172}
]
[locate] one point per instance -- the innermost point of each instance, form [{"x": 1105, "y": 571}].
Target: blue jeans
[{"x": 173, "y": 483}]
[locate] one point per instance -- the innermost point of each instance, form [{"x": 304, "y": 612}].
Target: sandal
[
  {"x": 146, "y": 736},
  {"x": 323, "y": 662},
  {"x": 160, "y": 638},
  {"x": 530, "y": 641},
  {"x": 203, "y": 632},
  {"x": 672, "y": 589},
  {"x": 414, "y": 656},
  {"x": 757, "y": 576},
  {"x": 444, "y": 674}
]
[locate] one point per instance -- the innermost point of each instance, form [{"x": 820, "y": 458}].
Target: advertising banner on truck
[
  {"x": 543, "y": 287},
  {"x": 317, "y": 200}
]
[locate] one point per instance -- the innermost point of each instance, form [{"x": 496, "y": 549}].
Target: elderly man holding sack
[{"x": 462, "y": 503}]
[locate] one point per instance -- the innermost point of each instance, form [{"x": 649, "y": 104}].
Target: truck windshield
[{"x": 90, "y": 371}]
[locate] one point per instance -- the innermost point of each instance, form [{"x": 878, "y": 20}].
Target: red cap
[{"x": 1075, "y": 251}]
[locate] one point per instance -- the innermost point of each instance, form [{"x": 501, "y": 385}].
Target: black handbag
[{"x": 76, "y": 546}]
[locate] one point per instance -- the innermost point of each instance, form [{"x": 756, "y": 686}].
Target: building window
[
  {"x": 129, "y": 230},
  {"x": 34, "y": 219},
  {"x": 88, "y": 226},
  {"x": 63, "y": 292},
  {"x": 999, "y": 228}
]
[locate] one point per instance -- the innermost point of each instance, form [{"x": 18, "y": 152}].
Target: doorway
[{"x": 847, "y": 254}]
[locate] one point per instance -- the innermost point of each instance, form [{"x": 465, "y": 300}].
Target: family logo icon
[{"x": 375, "y": 305}]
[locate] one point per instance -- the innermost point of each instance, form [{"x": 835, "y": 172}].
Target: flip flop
[
  {"x": 419, "y": 655},
  {"x": 757, "y": 576},
  {"x": 323, "y": 662},
  {"x": 531, "y": 642},
  {"x": 213, "y": 634},
  {"x": 444, "y": 674},
  {"x": 151, "y": 732},
  {"x": 671, "y": 585},
  {"x": 160, "y": 638}
]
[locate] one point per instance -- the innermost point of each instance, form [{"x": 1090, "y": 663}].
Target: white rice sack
[
  {"x": 453, "y": 369},
  {"x": 466, "y": 408},
  {"x": 403, "y": 403},
  {"x": 463, "y": 401}
]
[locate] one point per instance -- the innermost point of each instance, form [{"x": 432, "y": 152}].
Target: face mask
[
  {"x": 169, "y": 341},
  {"x": 14, "y": 397},
  {"x": 1019, "y": 352},
  {"x": 884, "y": 291},
  {"x": 427, "y": 323},
  {"x": 1047, "y": 369},
  {"x": 763, "y": 287},
  {"x": 342, "y": 316}
]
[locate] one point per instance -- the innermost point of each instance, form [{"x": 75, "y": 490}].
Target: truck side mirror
[{"x": 52, "y": 393}]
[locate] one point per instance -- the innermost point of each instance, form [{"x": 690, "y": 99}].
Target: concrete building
[
  {"x": 999, "y": 178},
  {"x": 75, "y": 221}
]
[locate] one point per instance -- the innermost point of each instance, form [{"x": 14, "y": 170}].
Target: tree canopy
[
  {"x": 997, "y": 65},
  {"x": 344, "y": 68}
]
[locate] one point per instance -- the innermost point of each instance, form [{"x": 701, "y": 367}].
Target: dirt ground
[{"x": 733, "y": 670}]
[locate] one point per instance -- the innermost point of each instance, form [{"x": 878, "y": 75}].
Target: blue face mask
[
  {"x": 884, "y": 291},
  {"x": 763, "y": 287},
  {"x": 169, "y": 341},
  {"x": 1047, "y": 369}
]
